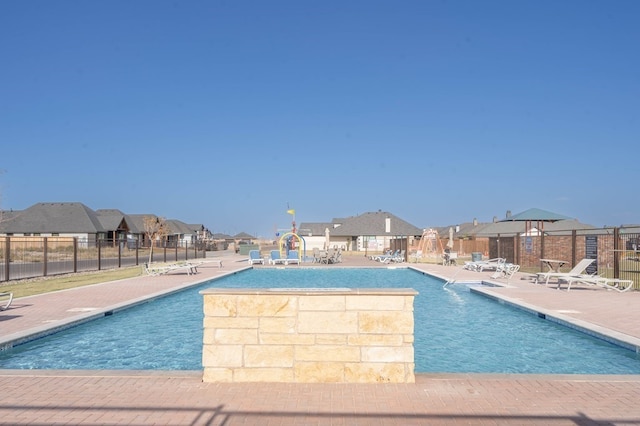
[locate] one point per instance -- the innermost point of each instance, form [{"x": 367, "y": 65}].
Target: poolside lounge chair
[
  {"x": 398, "y": 258},
  {"x": 505, "y": 270},
  {"x": 484, "y": 265},
  {"x": 575, "y": 272},
  {"x": 292, "y": 257},
  {"x": 386, "y": 257},
  {"x": 164, "y": 268},
  {"x": 254, "y": 257},
  {"x": 5, "y": 305},
  {"x": 276, "y": 259},
  {"x": 616, "y": 284}
]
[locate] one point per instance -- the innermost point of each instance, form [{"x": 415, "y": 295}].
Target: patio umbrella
[
  {"x": 450, "y": 242},
  {"x": 327, "y": 238}
]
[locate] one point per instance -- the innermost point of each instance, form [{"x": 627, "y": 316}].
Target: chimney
[
  {"x": 508, "y": 214},
  {"x": 475, "y": 222},
  {"x": 457, "y": 228},
  {"x": 495, "y": 219}
]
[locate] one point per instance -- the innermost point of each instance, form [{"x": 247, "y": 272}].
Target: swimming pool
[{"x": 455, "y": 331}]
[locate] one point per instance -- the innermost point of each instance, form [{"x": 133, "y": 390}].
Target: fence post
[
  {"x": 574, "y": 244},
  {"x": 616, "y": 247},
  {"x": 120, "y": 243},
  {"x": 7, "y": 257},
  {"x": 99, "y": 255},
  {"x": 75, "y": 254},
  {"x": 44, "y": 256},
  {"x": 137, "y": 247}
]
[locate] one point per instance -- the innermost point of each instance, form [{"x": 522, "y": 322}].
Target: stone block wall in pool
[{"x": 302, "y": 335}]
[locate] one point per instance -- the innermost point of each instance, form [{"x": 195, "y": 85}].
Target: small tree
[{"x": 155, "y": 228}]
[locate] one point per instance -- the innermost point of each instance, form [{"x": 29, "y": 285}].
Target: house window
[
  {"x": 27, "y": 234},
  {"x": 55, "y": 234}
]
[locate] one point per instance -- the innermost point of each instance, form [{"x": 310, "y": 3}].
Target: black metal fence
[{"x": 31, "y": 257}]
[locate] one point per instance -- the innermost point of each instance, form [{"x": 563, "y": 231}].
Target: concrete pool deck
[{"x": 45, "y": 397}]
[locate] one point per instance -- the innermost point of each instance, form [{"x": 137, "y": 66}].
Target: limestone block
[
  {"x": 387, "y": 353},
  {"x": 400, "y": 322},
  {"x": 222, "y": 375},
  {"x": 268, "y": 356},
  {"x": 278, "y": 325},
  {"x": 263, "y": 375},
  {"x": 267, "y": 305},
  {"x": 222, "y": 355},
  {"x": 376, "y": 303},
  {"x": 376, "y": 340},
  {"x": 230, "y": 322},
  {"x": 322, "y": 303},
  {"x": 331, "y": 339},
  {"x": 327, "y": 353},
  {"x": 286, "y": 339},
  {"x": 220, "y": 305},
  {"x": 319, "y": 372},
  {"x": 327, "y": 322},
  {"x": 239, "y": 336}
]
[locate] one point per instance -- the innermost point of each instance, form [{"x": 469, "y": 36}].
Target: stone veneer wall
[{"x": 308, "y": 335}]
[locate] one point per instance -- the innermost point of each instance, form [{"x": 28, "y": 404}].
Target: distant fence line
[{"x": 31, "y": 257}]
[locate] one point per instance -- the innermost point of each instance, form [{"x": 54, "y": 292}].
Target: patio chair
[
  {"x": 316, "y": 255},
  {"x": 576, "y": 271},
  {"x": 450, "y": 258},
  {"x": 254, "y": 257}
]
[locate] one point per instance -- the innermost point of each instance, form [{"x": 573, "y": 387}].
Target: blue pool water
[{"x": 455, "y": 331}]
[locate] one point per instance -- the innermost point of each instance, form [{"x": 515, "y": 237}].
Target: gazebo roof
[{"x": 536, "y": 215}]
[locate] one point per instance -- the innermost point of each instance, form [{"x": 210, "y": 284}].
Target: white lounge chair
[
  {"x": 576, "y": 271},
  {"x": 254, "y": 257},
  {"x": 386, "y": 257},
  {"x": 5, "y": 304},
  {"x": 484, "y": 265},
  {"x": 165, "y": 268},
  {"x": 505, "y": 270},
  {"x": 608, "y": 283}
]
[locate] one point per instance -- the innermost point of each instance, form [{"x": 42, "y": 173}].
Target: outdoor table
[{"x": 554, "y": 265}]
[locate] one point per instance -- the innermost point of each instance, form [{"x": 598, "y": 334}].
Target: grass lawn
[{"x": 41, "y": 285}]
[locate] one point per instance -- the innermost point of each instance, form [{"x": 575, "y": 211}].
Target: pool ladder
[{"x": 453, "y": 278}]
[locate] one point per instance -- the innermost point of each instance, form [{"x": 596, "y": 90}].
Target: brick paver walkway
[{"x": 180, "y": 398}]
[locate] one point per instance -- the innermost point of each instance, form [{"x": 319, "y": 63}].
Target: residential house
[{"x": 372, "y": 231}]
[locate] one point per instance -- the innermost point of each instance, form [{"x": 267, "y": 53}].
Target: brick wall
[{"x": 308, "y": 335}]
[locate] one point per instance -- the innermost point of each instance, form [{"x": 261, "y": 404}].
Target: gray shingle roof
[
  {"x": 54, "y": 218},
  {"x": 373, "y": 223}
]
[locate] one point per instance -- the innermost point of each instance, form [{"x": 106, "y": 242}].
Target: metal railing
[{"x": 31, "y": 257}]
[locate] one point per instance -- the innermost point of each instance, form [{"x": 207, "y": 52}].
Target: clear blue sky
[{"x": 224, "y": 112}]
